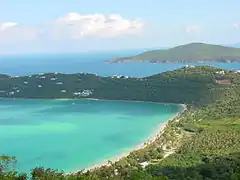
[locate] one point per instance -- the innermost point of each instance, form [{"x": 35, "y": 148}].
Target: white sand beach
[{"x": 150, "y": 140}]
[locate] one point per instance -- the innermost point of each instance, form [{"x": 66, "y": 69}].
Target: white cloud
[
  {"x": 7, "y": 25},
  {"x": 236, "y": 25},
  {"x": 72, "y": 26},
  {"x": 11, "y": 32},
  {"x": 193, "y": 28},
  {"x": 81, "y": 25}
]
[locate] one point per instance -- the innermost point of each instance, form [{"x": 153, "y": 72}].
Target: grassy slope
[
  {"x": 205, "y": 138},
  {"x": 194, "y": 52}
]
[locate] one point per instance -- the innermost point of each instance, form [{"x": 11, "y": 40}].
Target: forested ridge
[
  {"x": 193, "y": 52},
  {"x": 201, "y": 143}
]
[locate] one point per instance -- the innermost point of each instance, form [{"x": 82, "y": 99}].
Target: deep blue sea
[{"x": 88, "y": 62}]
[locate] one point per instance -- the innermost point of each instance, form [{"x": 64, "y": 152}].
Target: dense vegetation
[
  {"x": 194, "y": 52},
  {"x": 201, "y": 143},
  {"x": 187, "y": 85}
]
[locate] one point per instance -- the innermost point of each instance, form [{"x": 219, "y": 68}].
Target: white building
[
  {"x": 116, "y": 76},
  {"x": 63, "y": 91},
  {"x": 144, "y": 164},
  {"x": 59, "y": 83},
  {"x": 86, "y": 93},
  {"x": 77, "y": 93},
  {"x": 189, "y": 66},
  {"x": 220, "y": 72}
]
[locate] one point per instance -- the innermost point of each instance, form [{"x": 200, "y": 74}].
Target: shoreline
[
  {"x": 152, "y": 138},
  {"x": 92, "y": 99}
]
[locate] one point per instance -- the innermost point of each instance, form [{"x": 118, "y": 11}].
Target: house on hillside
[
  {"x": 144, "y": 164},
  {"x": 86, "y": 93},
  {"x": 220, "y": 72},
  {"x": 222, "y": 80}
]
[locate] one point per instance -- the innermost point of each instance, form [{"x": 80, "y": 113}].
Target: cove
[{"x": 75, "y": 134}]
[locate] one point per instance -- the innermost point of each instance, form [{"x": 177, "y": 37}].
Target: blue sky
[{"x": 77, "y": 25}]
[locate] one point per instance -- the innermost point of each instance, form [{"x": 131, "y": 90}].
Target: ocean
[
  {"x": 76, "y": 134},
  {"x": 71, "y": 135},
  {"x": 90, "y": 63}
]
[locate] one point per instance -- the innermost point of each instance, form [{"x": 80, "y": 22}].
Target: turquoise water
[{"x": 70, "y": 134}]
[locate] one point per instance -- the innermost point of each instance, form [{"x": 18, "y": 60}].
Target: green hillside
[
  {"x": 202, "y": 143},
  {"x": 190, "y": 85},
  {"x": 194, "y": 52}
]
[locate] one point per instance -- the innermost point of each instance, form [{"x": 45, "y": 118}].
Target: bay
[{"x": 76, "y": 134}]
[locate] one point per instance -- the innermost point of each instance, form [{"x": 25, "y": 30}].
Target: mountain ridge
[{"x": 193, "y": 53}]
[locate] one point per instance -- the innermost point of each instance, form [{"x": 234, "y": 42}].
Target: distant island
[
  {"x": 189, "y": 53},
  {"x": 201, "y": 143}
]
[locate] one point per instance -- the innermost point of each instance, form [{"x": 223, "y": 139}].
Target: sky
[{"x": 44, "y": 26}]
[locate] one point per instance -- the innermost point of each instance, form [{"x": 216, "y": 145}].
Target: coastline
[
  {"x": 153, "y": 137},
  {"x": 96, "y": 99},
  {"x": 91, "y": 99}
]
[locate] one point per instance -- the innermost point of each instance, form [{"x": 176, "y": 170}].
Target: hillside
[
  {"x": 192, "y": 53},
  {"x": 190, "y": 85},
  {"x": 201, "y": 143}
]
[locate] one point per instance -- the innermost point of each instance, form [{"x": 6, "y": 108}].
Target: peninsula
[
  {"x": 201, "y": 143},
  {"x": 189, "y": 53}
]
